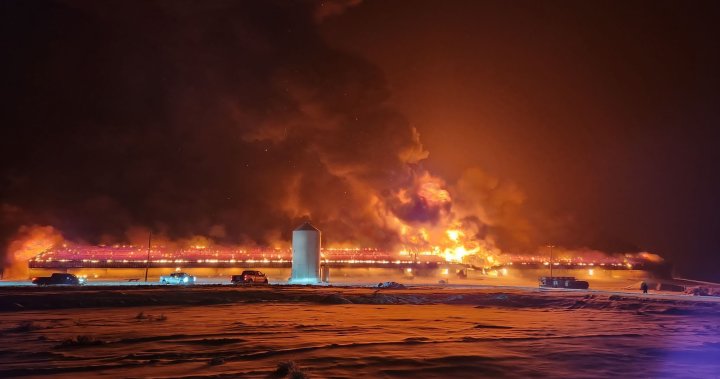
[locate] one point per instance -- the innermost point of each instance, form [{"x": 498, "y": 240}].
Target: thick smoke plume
[{"x": 221, "y": 121}]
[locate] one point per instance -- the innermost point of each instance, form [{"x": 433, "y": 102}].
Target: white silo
[{"x": 305, "y": 255}]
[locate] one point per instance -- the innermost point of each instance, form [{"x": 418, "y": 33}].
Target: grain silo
[{"x": 305, "y": 255}]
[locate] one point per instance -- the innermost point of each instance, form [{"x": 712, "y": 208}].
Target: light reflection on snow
[{"x": 371, "y": 340}]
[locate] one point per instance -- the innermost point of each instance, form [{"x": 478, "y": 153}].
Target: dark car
[
  {"x": 563, "y": 282},
  {"x": 59, "y": 278},
  {"x": 249, "y": 277}
]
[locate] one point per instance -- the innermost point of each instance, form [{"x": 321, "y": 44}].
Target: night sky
[{"x": 582, "y": 124}]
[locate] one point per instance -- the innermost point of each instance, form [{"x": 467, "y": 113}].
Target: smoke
[
  {"x": 220, "y": 122},
  {"x": 28, "y": 242},
  {"x": 329, "y": 8},
  {"x": 495, "y": 206},
  {"x": 227, "y": 119}
]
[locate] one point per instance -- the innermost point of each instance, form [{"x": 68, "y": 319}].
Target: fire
[
  {"x": 436, "y": 231},
  {"x": 26, "y": 244},
  {"x": 433, "y": 191},
  {"x": 453, "y": 235},
  {"x": 647, "y": 256},
  {"x": 457, "y": 253}
]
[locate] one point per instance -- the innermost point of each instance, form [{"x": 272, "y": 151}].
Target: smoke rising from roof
[
  {"x": 232, "y": 120},
  {"x": 222, "y": 121}
]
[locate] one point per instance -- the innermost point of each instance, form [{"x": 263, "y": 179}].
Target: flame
[
  {"x": 454, "y": 235},
  {"x": 28, "y": 242},
  {"x": 433, "y": 192},
  {"x": 445, "y": 236},
  {"x": 649, "y": 257},
  {"x": 448, "y": 238}
]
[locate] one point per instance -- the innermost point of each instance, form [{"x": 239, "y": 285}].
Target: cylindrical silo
[{"x": 305, "y": 254}]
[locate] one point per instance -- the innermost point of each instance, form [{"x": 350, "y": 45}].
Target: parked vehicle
[
  {"x": 392, "y": 285},
  {"x": 59, "y": 278},
  {"x": 177, "y": 278},
  {"x": 563, "y": 282},
  {"x": 249, "y": 277}
]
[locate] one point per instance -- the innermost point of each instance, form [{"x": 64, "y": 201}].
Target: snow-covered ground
[{"x": 351, "y": 332}]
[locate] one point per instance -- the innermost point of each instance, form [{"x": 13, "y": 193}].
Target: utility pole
[
  {"x": 551, "y": 260},
  {"x": 147, "y": 263}
]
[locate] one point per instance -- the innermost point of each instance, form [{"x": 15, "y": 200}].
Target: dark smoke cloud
[
  {"x": 329, "y": 8},
  {"x": 230, "y": 119}
]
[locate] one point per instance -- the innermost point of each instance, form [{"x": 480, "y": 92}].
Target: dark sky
[{"x": 585, "y": 124}]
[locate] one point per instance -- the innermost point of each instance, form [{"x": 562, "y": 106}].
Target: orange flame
[
  {"x": 447, "y": 237},
  {"x": 28, "y": 242}
]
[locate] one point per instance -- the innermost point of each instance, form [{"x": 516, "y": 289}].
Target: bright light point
[{"x": 453, "y": 235}]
